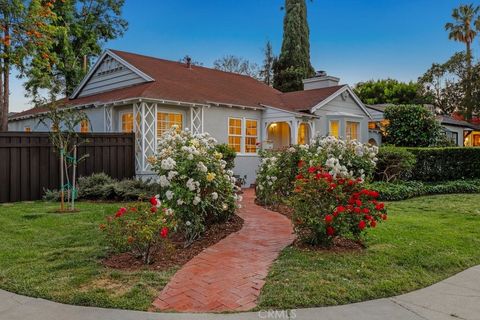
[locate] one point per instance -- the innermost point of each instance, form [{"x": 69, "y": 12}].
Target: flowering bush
[
  {"x": 139, "y": 228},
  {"x": 348, "y": 159},
  {"x": 195, "y": 181},
  {"x": 327, "y": 205}
]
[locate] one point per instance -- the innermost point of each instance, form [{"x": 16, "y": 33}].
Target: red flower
[
  {"x": 133, "y": 209},
  {"x": 333, "y": 185},
  {"x": 120, "y": 212},
  {"x": 153, "y": 209},
  {"x": 330, "y": 231},
  {"x": 301, "y": 163},
  {"x": 164, "y": 232},
  {"x": 362, "y": 225},
  {"x": 340, "y": 209},
  {"x": 299, "y": 176},
  {"x": 384, "y": 217},
  {"x": 357, "y": 209},
  {"x": 328, "y": 218},
  {"x": 366, "y": 210},
  {"x": 358, "y": 203},
  {"x": 374, "y": 194},
  {"x": 351, "y": 182},
  {"x": 153, "y": 201},
  {"x": 380, "y": 206},
  {"x": 373, "y": 223},
  {"x": 312, "y": 169}
]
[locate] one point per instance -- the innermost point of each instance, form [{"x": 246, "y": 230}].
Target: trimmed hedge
[
  {"x": 402, "y": 190},
  {"x": 442, "y": 164}
]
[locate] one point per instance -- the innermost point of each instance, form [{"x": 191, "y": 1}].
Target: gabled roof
[
  {"x": 174, "y": 81},
  {"x": 450, "y": 121}
]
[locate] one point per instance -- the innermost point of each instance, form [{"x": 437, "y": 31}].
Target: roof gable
[
  {"x": 344, "y": 89},
  {"x": 110, "y": 72}
]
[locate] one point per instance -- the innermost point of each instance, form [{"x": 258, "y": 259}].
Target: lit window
[
  {"x": 235, "y": 134},
  {"x": 352, "y": 130},
  {"x": 251, "y": 136},
  {"x": 303, "y": 134},
  {"x": 127, "y": 122},
  {"x": 27, "y": 129},
  {"x": 165, "y": 121},
  {"x": 84, "y": 126},
  {"x": 54, "y": 128},
  {"x": 334, "y": 128},
  {"x": 372, "y": 125}
]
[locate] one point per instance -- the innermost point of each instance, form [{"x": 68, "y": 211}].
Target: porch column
[
  {"x": 196, "y": 119},
  {"x": 294, "y": 131},
  {"x": 145, "y": 123},
  {"x": 108, "y": 118}
]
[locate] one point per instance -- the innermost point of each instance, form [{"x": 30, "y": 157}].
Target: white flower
[
  {"x": 168, "y": 164},
  {"x": 172, "y": 174},
  {"x": 196, "y": 200},
  {"x": 180, "y": 202},
  {"x": 214, "y": 195},
  {"x": 169, "y": 194},
  {"x": 201, "y": 167},
  {"x": 164, "y": 182},
  {"x": 190, "y": 157},
  {"x": 188, "y": 223},
  {"x": 191, "y": 184},
  {"x": 224, "y": 207}
]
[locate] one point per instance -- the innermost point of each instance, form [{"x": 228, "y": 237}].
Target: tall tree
[
  {"x": 463, "y": 30},
  {"x": 266, "y": 73},
  {"x": 88, "y": 24},
  {"x": 390, "y": 91},
  {"x": 26, "y": 38},
  {"x": 293, "y": 64},
  {"x": 231, "y": 63}
]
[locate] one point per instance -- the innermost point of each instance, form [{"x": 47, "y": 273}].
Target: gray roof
[{"x": 447, "y": 120}]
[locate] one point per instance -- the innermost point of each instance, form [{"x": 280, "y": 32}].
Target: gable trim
[
  {"x": 89, "y": 75},
  {"x": 336, "y": 94},
  {"x": 291, "y": 112}
]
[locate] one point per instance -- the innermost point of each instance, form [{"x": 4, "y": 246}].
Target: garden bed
[{"x": 176, "y": 254}]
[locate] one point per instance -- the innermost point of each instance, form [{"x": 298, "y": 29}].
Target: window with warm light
[
  {"x": 372, "y": 125},
  {"x": 334, "y": 128},
  {"x": 127, "y": 122},
  {"x": 352, "y": 130},
  {"x": 235, "y": 134},
  {"x": 251, "y": 136},
  {"x": 54, "y": 128},
  {"x": 84, "y": 126},
  {"x": 27, "y": 129},
  {"x": 303, "y": 134},
  {"x": 165, "y": 121}
]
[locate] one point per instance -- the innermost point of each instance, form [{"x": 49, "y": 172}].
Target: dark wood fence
[{"x": 29, "y": 163}]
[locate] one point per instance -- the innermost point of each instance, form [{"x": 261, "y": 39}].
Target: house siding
[{"x": 458, "y": 130}]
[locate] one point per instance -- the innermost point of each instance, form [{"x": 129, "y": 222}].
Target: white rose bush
[{"x": 195, "y": 182}]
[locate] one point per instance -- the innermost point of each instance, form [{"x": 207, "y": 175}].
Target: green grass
[
  {"x": 56, "y": 256},
  {"x": 425, "y": 240}
]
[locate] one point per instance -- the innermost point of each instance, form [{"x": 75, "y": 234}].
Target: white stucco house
[{"x": 127, "y": 92}]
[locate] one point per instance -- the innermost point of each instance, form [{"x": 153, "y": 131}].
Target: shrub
[
  {"x": 228, "y": 153},
  {"x": 411, "y": 126},
  {"x": 139, "y": 228},
  {"x": 51, "y": 195},
  {"x": 194, "y": 180},
  {"x": 439, "y": 164},
  {"x": 402, "y": 190},
  {"x": 93, "y": 187},
  {"x": 277, "y": 170},
  {"x": 394, "y": 164},
  {"x": 326, "y": 206}
]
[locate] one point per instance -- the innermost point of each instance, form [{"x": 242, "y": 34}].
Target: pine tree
[
  {"x": 293, "y": 64},
  {"x": 266, "y": 73}
]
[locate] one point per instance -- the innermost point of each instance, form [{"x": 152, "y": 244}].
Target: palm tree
[{"x": 462, "y": 30}]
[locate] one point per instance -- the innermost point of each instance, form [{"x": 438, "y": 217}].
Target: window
[
  {"x": 235, "y": 134},
  {"x": 303, "y": 134},
  {"x": 127, "y": 122},
  {"x": 165, "y": 121},
  {"x": 334, "y": 128},
  {"x": 352, "y": 130},
  {"x": 84, "y": 126},
  {"x": 27, "y": 129},
  {"x": 54, "y": 128},
  {"x": 251, "y": 136},
  {"x": 372, "y": 125}
]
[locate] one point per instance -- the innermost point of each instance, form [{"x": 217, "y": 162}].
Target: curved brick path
[{"x": 228, "y": 276}]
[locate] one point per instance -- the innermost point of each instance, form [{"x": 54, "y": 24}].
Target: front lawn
[
  {"x": 56, "y": 256},
  {"x": 425, "y": 240}
]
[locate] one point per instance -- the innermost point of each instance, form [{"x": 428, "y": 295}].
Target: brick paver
[{"x": 229, "y": 275}]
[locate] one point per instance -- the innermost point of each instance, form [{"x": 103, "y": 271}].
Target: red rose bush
[
  {"x": 327, "y": 205},
  {"x": 141, "y": 228}
]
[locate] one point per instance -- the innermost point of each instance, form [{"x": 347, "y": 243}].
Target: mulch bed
[{"x": 176, "y": 254}]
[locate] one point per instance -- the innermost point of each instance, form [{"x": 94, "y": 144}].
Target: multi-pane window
[
  {"x": 303, "y": 133},
  {"x": 165, "y": 121},
  {"x": 235, "y": 134},
  {"x": 251, "y": 136},
  {"x": 334, "y": 128},
  {"x": 84, "y": 126},
  {"x": 27, "y": 129},
  {"x": 352, "y": 130},
  {"x": 127, "y": 122}
]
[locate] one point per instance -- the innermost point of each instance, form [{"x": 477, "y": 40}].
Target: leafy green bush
[
  {"x": 228, "y": 153},
  {"x": 394, "y": 164},
  {"x": 51, "y": 195},
  {"x": 411, "y": 126},
  {"x": 440, "y": 164},
  {"x": 402, "y": 190},
  {"x": 93, "y": 187}
]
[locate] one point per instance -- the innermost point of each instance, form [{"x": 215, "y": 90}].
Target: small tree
[
  {"x": 231, "y": 63},
  {"x": 411, "y": 126},
  {"x": 266, "y": 73}
]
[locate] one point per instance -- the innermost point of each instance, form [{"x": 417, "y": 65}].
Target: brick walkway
[{"x": 229, "y": 275}]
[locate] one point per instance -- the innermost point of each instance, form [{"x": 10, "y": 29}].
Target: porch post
[
  {"x": 294, "y": 131},
  {"x": 196, "y": 119},
  {"x": 108, "y": 118}
]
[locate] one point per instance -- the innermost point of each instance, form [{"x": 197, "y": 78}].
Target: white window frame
[
  {"x": 120, "y": 124},
  {"x": 330, "y": 127},
  {"x": 358, "y": 130},
  {"x": 241, "y": 135},
  {"x": 167, "y": 112},
  {"x": 245, "y": 136}
]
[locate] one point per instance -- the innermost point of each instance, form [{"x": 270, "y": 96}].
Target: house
[
  {"x": 127, "y": 92},
  {"x": 461, "y": 133}
]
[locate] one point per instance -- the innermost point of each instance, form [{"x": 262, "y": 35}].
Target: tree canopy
[{"x": 389, "y": 91}]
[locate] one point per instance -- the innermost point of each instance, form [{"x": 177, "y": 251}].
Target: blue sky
[{"x": 353, "y": 39}]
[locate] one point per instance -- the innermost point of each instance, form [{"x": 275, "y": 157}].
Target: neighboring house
[
  {"x": 126, "y": 92},
  {"x": 461, "y": 133}
]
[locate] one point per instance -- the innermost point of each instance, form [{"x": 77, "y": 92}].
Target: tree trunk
[
  {"x": 468, "y": 89},
  {"x": 2, "y": 112},
  {"x": 6, "y": 82}
]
